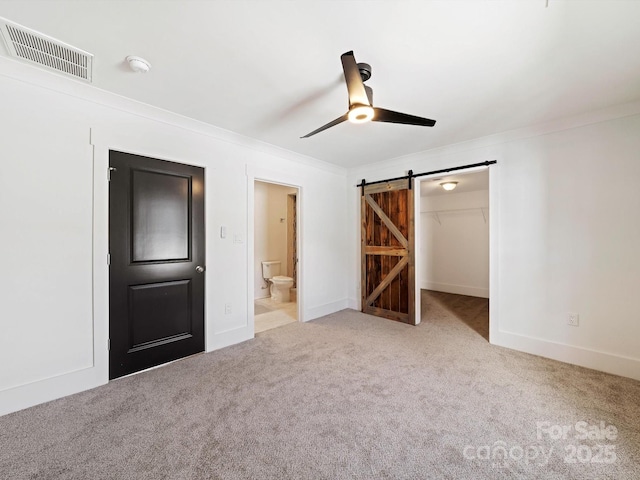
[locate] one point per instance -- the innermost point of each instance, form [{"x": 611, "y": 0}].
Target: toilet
[{"x": 279, "y": 285}]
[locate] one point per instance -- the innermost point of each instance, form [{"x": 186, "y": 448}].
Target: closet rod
[
  {"x": 438, "y": 212},
  {"x": 455, "y": 210},
  {"x": 411, "y": 175}
]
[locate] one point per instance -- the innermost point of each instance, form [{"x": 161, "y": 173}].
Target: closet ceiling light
[{"x": 449, "y": 185}]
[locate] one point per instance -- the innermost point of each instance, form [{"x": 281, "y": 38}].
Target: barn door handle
[{"x": 199, "y": 269}]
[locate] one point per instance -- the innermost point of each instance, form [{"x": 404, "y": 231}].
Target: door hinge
[
  {"x": 109, "y": 259},
  {"x": 109, "y": 344},
  {"x": 111, "y": 169}
]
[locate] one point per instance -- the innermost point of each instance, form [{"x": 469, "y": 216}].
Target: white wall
[
  {"x": 270, "y": 232},
  {"x": 565, "y": 232},
  {"x": 562, "y": 239},
  {"x": 55, "y": 137},
  {"x": 454, "y": 243}
]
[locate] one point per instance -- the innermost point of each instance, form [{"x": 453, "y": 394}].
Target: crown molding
[
  {"x": 32, "y": 75},
  {"x": 544, "y": 128}
]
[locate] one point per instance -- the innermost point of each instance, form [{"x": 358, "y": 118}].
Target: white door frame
[
  {"x": 493, "y": 245},
  {"x": 102, "y": 142},
  {"x": 279, "y": 178}
]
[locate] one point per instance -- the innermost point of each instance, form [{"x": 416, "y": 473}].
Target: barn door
[{"x": 387, "y": 249}]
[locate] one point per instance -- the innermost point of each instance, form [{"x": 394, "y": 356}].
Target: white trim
[
  {"x": 584, "y": 357},
  {"x": 417, "y": 255},
  {"x": 103, "y": 143},
  {"x": 492, "y": 292},
  {"x": 457, "y": 289},
  {"x": 100, "y": 233},
  {"x": 58, "y": 83},
  {"x": 41, "y": 391},
  {"x": 494, "y": 251},
  {"x": 535, "y": 130},
  {"x": 281, "y": 178},
  {"x": 68, "y": 383},
  {"x": 353, "y": 303},
  {"x": 327, "y": 309},
  {"x": 228, "y": 337},
  {"x": 251, "y": 311}
]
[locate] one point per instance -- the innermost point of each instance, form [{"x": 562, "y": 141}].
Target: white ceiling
[{"x": 270, "y": 69}]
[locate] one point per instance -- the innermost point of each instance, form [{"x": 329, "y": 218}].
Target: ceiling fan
[{"x": 361, "y": 107}]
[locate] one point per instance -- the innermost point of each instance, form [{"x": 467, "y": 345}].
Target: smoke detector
[
  {"x": 45, "y": 51},
  {"x": 138, "y": 64}
]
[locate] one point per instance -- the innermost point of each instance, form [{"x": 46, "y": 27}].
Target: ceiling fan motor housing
[{"x": 365, "y": 71}]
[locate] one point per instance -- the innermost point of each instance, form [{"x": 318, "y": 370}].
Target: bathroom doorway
[{"x": 275, "y": 243}]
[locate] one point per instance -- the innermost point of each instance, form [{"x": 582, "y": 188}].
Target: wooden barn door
[{"x": 387, "y": 249}]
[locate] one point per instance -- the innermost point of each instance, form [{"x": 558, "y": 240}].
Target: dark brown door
[
  {"x": 156, "y": 245},
  {"x": 387, "y": 250}
]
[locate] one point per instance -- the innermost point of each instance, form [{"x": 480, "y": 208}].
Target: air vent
[{"x": 37, "y": 48}]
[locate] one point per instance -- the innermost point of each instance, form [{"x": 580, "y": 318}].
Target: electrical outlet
[
  {"x": 573, "y": 319},
  {"x": 227, "y": 308}
]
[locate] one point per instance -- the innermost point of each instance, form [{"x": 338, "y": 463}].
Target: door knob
[{"x": 199, "y": 269}]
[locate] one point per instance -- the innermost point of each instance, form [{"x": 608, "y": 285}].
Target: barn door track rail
[{"x": 410, "y": 175}]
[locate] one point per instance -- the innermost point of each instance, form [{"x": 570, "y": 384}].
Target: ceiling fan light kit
[
  {"x": 361, "y": 109},
  {"x": 360, "y": 114}
]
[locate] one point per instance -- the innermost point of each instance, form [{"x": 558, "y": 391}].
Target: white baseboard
[
  {"x": 30, "y": 394},
  {"x": 584, "y": 357},
  {"x": 229, "y": 337},
  {"x": 353, "y": 303},
  {"x": 326, "y": 309},
  {"x": 458, "y": 289},
  {"x": 46, "y": 390}
]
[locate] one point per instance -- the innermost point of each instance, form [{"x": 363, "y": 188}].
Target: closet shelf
[{"x": 438, "y": 212}]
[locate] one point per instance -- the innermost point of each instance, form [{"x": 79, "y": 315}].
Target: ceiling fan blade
[
  {"x": 389, "y": 116},
  {"x": 355, "y": 86},
  {"x": 369, "y": 91},
  {"x": 328, "y": 125}
]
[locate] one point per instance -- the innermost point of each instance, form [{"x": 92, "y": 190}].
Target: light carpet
[{"x": 345, "y": 396}]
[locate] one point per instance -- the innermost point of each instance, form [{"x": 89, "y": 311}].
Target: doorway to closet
[{"x": 454, "y": 235}]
